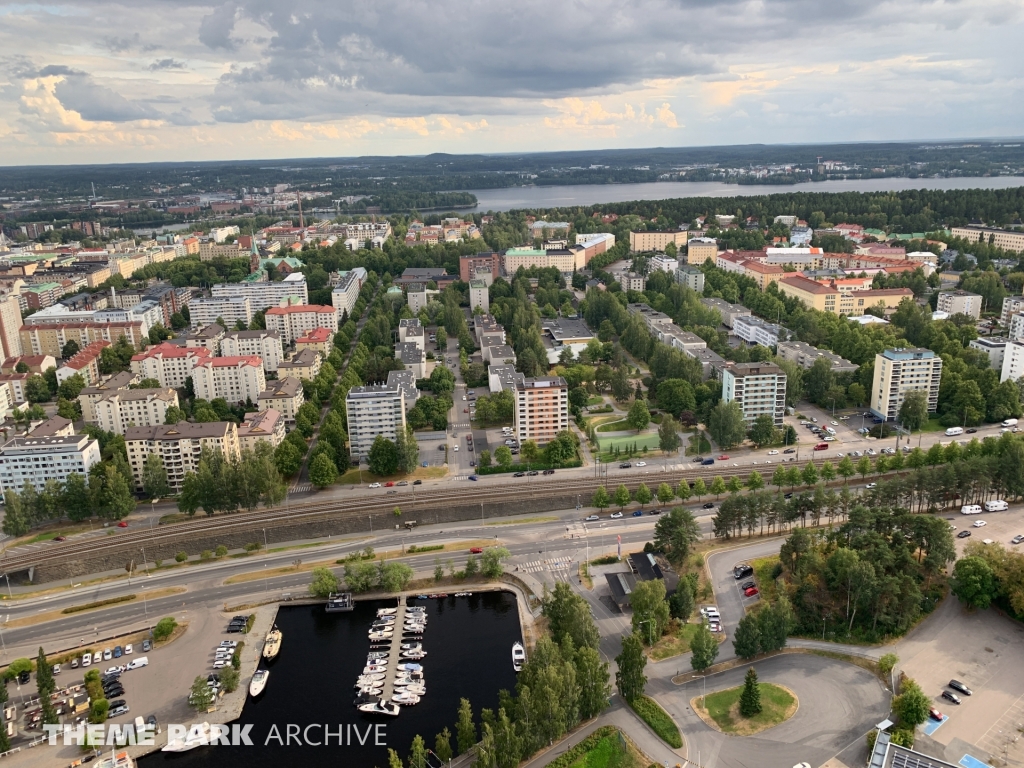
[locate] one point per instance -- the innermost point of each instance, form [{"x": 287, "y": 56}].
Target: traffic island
[{"x": 721, "y": 710}]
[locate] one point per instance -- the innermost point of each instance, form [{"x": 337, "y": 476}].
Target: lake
[
  {"x": 468, "y": 642},
  {"x": 594, "y": 194}
]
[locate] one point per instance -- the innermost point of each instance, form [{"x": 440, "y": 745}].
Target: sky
[{"x": 92, "y": 81}]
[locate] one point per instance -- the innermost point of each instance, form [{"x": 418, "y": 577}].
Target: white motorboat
[
  {"x": 406, "y": 699},
  {"x": 413, "y": 655},
  {"x": 411, "y": 667},
  {"x": 198, "y": 735},
  {"x": 375, "y": 670},
  {"x": 377, "y": 655},
  {"x": 407, "y": 675},
  {"x": 419, "y": 689},
  {"x": 272, "y": 645},
  {"x": 380, "y": 708},
  {"x": 381, "y": 635},
  {"x": 387, "y": 611},
  {"x": 259, "y": 682},
  {"x": 518, "y": 656},
  {"x": 412, "y": 646}
]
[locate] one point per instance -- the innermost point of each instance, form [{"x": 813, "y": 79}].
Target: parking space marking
[
  {"x": 933, "y": 725},
  {"x": 1008, "y": 723},
  {"x": 969, "y": 761}
]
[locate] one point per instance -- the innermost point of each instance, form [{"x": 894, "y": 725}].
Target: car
[
  {"x": 774, "y": 453},
  {"x": 697, "y": 459},
  {"x": 971, "y": 431},
  {"x": 790, "y": 450},
  {"x": 128, "y": 650},
  {"x": 456, "y": 449},
  {"x": 107, "y": 654},
  {"x": 117, "y": 690},
  {"x": 465, "y": 410},
  {"x": 934, "y": 714},
  {"x": 839, "y": 455},
  {"x": 869, "y": 486},
  {"x": 591, "y": 518},
  {"x": 74, "y": 663},
  {"x": 714, "y": 626},
  {"x": 709, "y": 505},
  {"x": 709, "y": 610},
  {"x": 60, "y": 538},
  {"x": 113, "y": 672},
  {"x": 814, "y": 420},
  {"x": 151, "y": 722},
  {"x": 625, "y": 465},
  {"x": 146, "y": 646},
  {"x": 417, "y": 482},
  {"x": 463, "y": 397},
  {"x": 377, "y": 485},
  {"x": 518, "y": 474},
  {"x": 228, "y": 643},
  {"x": 828, "y": 438},
  {"x": 532, "y": 473},
  {"x": 122, "y": 524},
  {"x": 638, "y": 513},
  {"x": 788, "y": 495},
  {"x": 56, "y": 669},
  {"x": 124, "y": 709},
  {"x": 476, "y": 550},
  {"x": 950, "y": 696},
  {"x": 390, "y": 492},
  {"x": 641, "y": 463},
  {"x": 742, "y": 570},
  {"x": 724, "y": 457},
  {"x": 870, "y": 452},
  {"x": 472, "y": 463},
  {"x": 474, "y": 478},
  {"x": 963, "y": 534},
  {"x": 402, "y": 482},
  {"x": 1017, "y": 539},
  {"x": 220, "y": 664},
  {"x": 747, "y": 585},
  {"x": 514, "y": 451},
  {"x": 118, "y": 651},
  {"x": 389, "y": 484},
  {"x": 979, "y": 524},
  {"x": 956, "y": 685},
  {"x": 750, "y": 591},
  {"x": 835, "y": 423},
  {"x": 117, "y": 703},
  {"x": 654, "y": 512},
  {"x": 548, "y": 472},
  {"x": 616, "y": 515}
]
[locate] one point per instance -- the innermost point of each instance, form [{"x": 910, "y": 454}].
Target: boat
[
  {"x": 406, "y": 699},
  {"x": 259, "y": 682},
  {"x": 380, "y": 708},
  {"x": 365, "y": 698},
  {"x": 412, "y": 690},
  {"x": 339, "y": 602},
  {"x": 412, "y": 646},
  {"x": 377, "y": 655},
  {"x": 463, "y": 594},
  {"x": 387, "y": 611},
  {"x": 421, "y": 597},
  {"x": 118, "y": 760},
  {"x": 407, "y": 675},
  {"x": 198, "y": 735},
  {"x": 411, "y": 667},
  {"x": 272, "y": 645},
  {"x": 374, "y": 670},
  {"x": 518, "y": 656},
  {"x": 381, "y": 635}
]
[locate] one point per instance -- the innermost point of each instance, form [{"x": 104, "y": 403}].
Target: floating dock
[
  {"x": 338, "y": 602},
  {"x": 394, "y": 653}
]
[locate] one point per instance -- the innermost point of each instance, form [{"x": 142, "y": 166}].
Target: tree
[
  {"x": 779, "y": 477},
  {"x": 465, "y": 728},
  {"x": 200, "y": 696},
  {"x": 154, "y": 477},
  {"x": 762, "y": 431},
  {"x": 699, "y": 488},
  {"x": 71, "y": 387},
  {"x": 630, "y": 678},
  {"x": 622, "y": 496},
  {"x": 643, "y": 495},
  {"x": 750, "y": 699},
  {"x": 755, "y": 482},
  {"x": 864, "y": 466},
  {"x": 682, "y": 602},
  {"x": 974, "y": 582},
  {"x": 650, "y": 611},
  {"x": 383, "y": 457},
  {"x": 229, "y": 678},
  {"x": 747, "y": 641},
  {"x": 912, "y": 705},
  {"x": 408, "y": 450},
  {"x": 568, "y": 615},
  {"x": 417, "y": 753},
  {"x": 665, "y": 494},
  {"x": 592, "y": 681},
  {"x": 164, "y": 628},
  {"x": 324, "y": 582},
  {"x": 503, "y": 455},
  {"x": 809, "y": 474},
  {"x": 676, "y": 396},
  {"x": 639, "y": 416},
  {"x": 5, "y": 742},
  {"x": 443, "y": 745},
  {"x": 913, "y": 412},
  {"x": 845, "y": 468},
  {"x": 16, "y": 521},
  {"x": 36, "y": 389},
  {"x": 69, "y": 350},
  {"x": 394, "y": 761},
  {"x": 718, "y": 487},
  {"x": 115, "y": 498},
  {"x": 529, "y": 450},
  {"x": 704, "y": 649},
  {"x": 601, "y": 498},
  {"x": 725, "y": 424},
  {"x": 287, "y": 458},
  {"x": 668, "y": 434},
  {"x": 490, "y": 561},
  {"x": 887, "y": 662},
  {"x": 322, "y": 471}
]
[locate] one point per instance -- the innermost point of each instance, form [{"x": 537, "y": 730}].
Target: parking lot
[{"x": 999, "y": 527}]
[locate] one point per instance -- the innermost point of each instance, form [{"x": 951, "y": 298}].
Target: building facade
[
  {"x": 898, "y": 371},
  {"x": 754, "y": 330},
  {"x": 266, "y": 426},
  {"x": 960, "y": 303},
  {"x": 640, "y": 242},
  {"x": 541, "y": 409},
  {"x": 230, "y": 309},
  {"x": 179, "y": 447},
  {"x": 691, "y": 277},
  {"x": 294, "y": 321},
  {"x": 263, "y": 294},
  {"x": 284, "y": 396},
  {"x": 700, "y": 249},
  {"x": 10, "y": 325},
  {"x": 759, "y": 388},
  {"x": 373, "y": 410},
  {"x": 169, "y": 364},
  {"x": 266, "y": 345},
  {"x": 125, "y": 408},
  {"x": 1012, "y": 305},
  {"x": 304, "y": 364},
  {"x": 37, "y": 460},
  {"x": 236, "y": 379},
  {"x": 1006, "y": 239},
  {"x": 804, "y": 355}
]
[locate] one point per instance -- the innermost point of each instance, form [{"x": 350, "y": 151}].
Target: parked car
[
  {"x": 476, "y": 550},
  {"x": 934, "y": 714},
  {"x": 747, "y": 585},
  {"x": 638, "y": 513},
  {"x": 1017, "y": 539},
  {"x": 963, "y": 534},
  {"x": 774, "y": 453},
  {"x": 750, "y": 591},
  {"x": 128, "y": 650},
  {"x": 869, "y": 486},
  {"x": 60, "y": 538},
  {"x": 709, "y": 505},
  {"x": 956, "y": 685},
  {"x": 532, "y": 473},
  {"x": 122, "y": 524},
  {"x": 742, "y": 570},
  {"x": 118, "y": 651},
  {"x": 654, "y": 512},
  {"x": 56, "y": 669},
  {"x": 971, "y": 431},
  {"x": 417, "y": 482},
  {"x": 616, "y": 515},
  {"x": 979, "y": 524},
  {"x": 590, "y": 518},
  {"x": 518, "y": 474},
  {"x": 377, "y": 485},
  {"x": 950, "y": 696},
  {"x": 107, "y": 654},
  {"x": 146, "y": 646},
  {"x": 474, "y": 478},
  {"x": 790, "y": 450},
  {"x": 625, "y": 465},
  {"x": 549, "y": 472},
  {"x": 724, "y": 457},
  {"x": 124, "y": 709}
]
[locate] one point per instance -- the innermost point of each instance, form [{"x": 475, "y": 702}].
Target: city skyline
[{"x": 100, "y": 82}]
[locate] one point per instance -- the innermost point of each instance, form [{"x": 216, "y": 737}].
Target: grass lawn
[
  {"x": 421, "y": 473},
  {"x": 698, "y": 444},
  {"x": 656, "y": 717},
  {"x": 609, "y": 752},
  {"x": 595, "y": 400},
  {"x": 778, "y": 704},
  {"x": 625, "y": 442},
  {"x": 932, "y": 425},
  {"x": 619, "y": 425},
  {"x": 674, "y": 644}
]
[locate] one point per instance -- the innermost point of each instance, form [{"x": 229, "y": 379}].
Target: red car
[
  {"x": 475, "y": 550},
  {"x": 750, "y": 591},
  {"x": 934, "y": 714},
  {"x": 60, "y": 538},
  {"x": 723, "y": 457},
  {"x": 388, "y": 484},
  {"x": 122, "y": 524}
]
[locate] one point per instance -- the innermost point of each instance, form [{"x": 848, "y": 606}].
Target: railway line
[{"x": 555, "y": 487}]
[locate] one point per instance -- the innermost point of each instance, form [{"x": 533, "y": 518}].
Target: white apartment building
[
  {"x": 1011, "y": 306},
  {"x": 10, "y": 323},
  {"x": 282, "y": 395},
  {"x": 691, "y": 277},
  {"x": 759, "y": 388},
  {"x": 1016, "y": 327},
  {"x": 995, "y": 349},
  {"x": 631, "y": 281},
  {"x": 263, "y": 294},
  {"x": 125, "y": 408},
  {"x": 38, "y": 459},
  {"x": 345, "y": 290},
  {"x": 263, "y": 427},
  {"x": 757, "y": 331},
  {"x": 541, "y": 409},
  {"x": 236, "y": 379},
  {"x": 378, "y": 409},
  {"x": 1013, "y": 361},
  {"x": 169, "y": 364},
  {"x": 960, "y": 303},
  {"x": 663, "y": 263},
  {"x": 265, "y": 345},
  {"x": 230, "y": 309},
  {"x": 479, "y": 295},
  {"x": 294, "y": 321},
  {"x": 89, "y": 396},
  {"x": 179, "y": 447},
  {"x": 898, "y": 371}
]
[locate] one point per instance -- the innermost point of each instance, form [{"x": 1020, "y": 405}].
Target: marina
[{"x": 390, "y": 676}]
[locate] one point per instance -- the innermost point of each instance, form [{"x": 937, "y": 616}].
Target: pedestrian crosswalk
[
  {"x": 302, "y": 488},
  {"x": 551, "y": 564}
]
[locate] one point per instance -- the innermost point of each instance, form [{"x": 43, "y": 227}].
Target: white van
[
  {"x": 954, "y": 431},
  {"x": 142, "y": 661},
  {"x": 970, "y": 509},
  {"x": 1010, "y": 423},
  {"x": 996, "y": 505}
]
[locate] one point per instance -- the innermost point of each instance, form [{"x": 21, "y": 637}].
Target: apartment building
[
  {"x": 631, "y": 281},
  {"x": 409, "y": 329},
  {"x": 319, "y": 340},
  {"x": 261, "y": 295},
  {"x": 759, "y": 388},
  {"x": 1012, "y": 305},
  {"x": 700, "y": 249},
  {"x": 208, "y": 336},
  {"x": 345, "y": 290},
  {"x": 179, "y": 447},
  {"x": 728, "y": 312},
  {"x": 994, "y": 349},
  {"x": 418, "y": 296},
  {"x": 563, "y": 260},
  {"x": 763, "y": 274},
  {"x": 89, "y": 396},
  {"x": 1008, "y": 240},
  {"x": 805, "y": 355},
  {"x": 230, "y": 310},
  {"x": 471, "y": 265},
  {"x": 291, "y": 322},
  {"x": 37, "y": 460},
  {"x": 640, "y": 242},
  {"x": 479, "y": 295},
  {"x": 377, "y": 409},
  {"x": 663, "y": 263},
  {"x": 49, "y": 339},
  {"x": 85, "y": 363},
  {"x": 266, "y": 426},
  {"x": 815, "y": 295},
  {"x": 960, "y": 303},
  {"x": 36, "y": 363},
  {"x": 266, "y": 345},
  {"x": 541, "y": 409},
  {"x": 754, "y": 330},
  {"x": 209, "y": 250},
  {"x": 237, "y": 379},
  {"x": 10, "y": 325},
  {"x": 123, "y": 408},
  {"x": 691, "y": 277},
  {"x": 282, "y": 395},
  {"x": 898, "y": 371},
  {"x": 304, "y": 364},
  {"x": 485, "y": 327},
  {"x": 169, "y": 364}
]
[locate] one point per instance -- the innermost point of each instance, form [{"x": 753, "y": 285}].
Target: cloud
[
  {"x": 215, "y": 29},
  {"x": 162, "y": 64},
  {"x": 99, "y": 103}
]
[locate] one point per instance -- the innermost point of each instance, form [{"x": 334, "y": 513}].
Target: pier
[{"x": 394, "y": 653}]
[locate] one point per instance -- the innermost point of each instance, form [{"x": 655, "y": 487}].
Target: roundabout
[{"x": 722, "y": 711}]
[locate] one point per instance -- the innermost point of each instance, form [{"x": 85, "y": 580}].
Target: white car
[
  {"x": 128, "y": 650},
  {"x": 591, "y": 518},
  {"x": 107, "y": 654},
  {"x": 220, "y": 664},
  {"x": 869, "y": 486},
  {"x": 640, "y": 464},
  {"x": 114, "y": 671},
  {"x": 616, "y": 515},
  {"x": 709, "y": 609},
  {"x": 375, "y": 485},
  {"x": 56, "y": 669},
  {"x": 828, "y": 438},
  {"x": 839, "y": 455},
  {"x": 773, "y": 453},
  {"x": 714, "y": 626},
  {"x": 456, "y": 449},
  {"x": 979, "y": 524},
  {"x": 463, "y": 397},
  {"x": 86, "y": 659},
  {"x": 835, "y": 423}
]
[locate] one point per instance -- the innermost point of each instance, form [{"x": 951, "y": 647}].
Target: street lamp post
[
  {"x": 704, "y": 680},
  {"x": 9, "y": 590}
]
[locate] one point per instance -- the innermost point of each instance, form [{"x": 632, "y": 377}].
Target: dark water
[{"x": 469, "y": 654}]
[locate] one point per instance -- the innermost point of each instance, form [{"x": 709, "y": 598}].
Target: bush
[
  {"x": 206, "y": 555},
  {"x": 656, "y": 717},
  {"x": 253, "y": 546},
  {"x": 181, "y": 557},
  {"x": 236, "y": 657},
  {"x": 572, "y": 757},
  {"x": 164, "y": 628},
  {"x": 98, "y": 710},
  {"x": 887, "y": 662},
  {"x": 249, "y": 622},
  {"x": 220, "y": 551},
  {"x": 229, "y": 678}
]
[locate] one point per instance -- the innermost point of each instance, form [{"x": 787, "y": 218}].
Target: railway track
[{"x": 236, "y": 522}]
